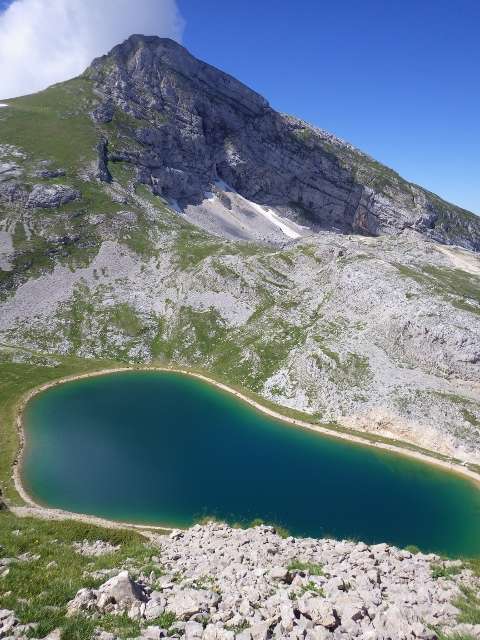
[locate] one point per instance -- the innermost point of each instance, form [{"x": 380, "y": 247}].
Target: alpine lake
[{"x": 167, "y": 449}]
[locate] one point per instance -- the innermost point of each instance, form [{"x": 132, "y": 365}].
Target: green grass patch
[
  {"x": 454, "y": 636},
  {"x": 469, "y": 606},
  {"x": 458, "y": 287},
  {"x": 312, "y": 588},
  {"x": 413, "y": 549},
  {"x": 53, "y": 124},
  {"x": 192, "y": 246},
  {"x": 306, "y": 567},
  {"x": 165, "y": 621},
  {"x": 444, "y": 571},
  {"x": 474, "y": 565},
  {"x": 126, "y": 319},
  {"x": 237, "y": 628}
]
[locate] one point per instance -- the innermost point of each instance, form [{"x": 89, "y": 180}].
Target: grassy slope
[
  {"x": 458, "y": 287},
  {"x": 38, "y": 589},
  {"x": 53, "y": 125}
]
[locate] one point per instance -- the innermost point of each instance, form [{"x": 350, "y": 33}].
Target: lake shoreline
[{"x": 35, "y": 509}]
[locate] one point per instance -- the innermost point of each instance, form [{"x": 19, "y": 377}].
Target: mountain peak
[
  {"x": 137, "y": 42},
  {"x": 151, "y": 62},
  {"x": 201, "y": 127}
]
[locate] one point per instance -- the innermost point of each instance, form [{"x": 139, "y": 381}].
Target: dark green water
[{"x": 166, "y": 448}]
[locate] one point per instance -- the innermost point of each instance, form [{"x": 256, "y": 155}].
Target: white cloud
[{"x": 47, "y": 41}]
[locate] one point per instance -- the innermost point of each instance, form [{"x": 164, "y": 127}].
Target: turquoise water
[{"x": 168, "y": 449}]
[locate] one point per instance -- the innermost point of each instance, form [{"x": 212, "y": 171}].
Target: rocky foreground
[{"x": 217, "y": 582}]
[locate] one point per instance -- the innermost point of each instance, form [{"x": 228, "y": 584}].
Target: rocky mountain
[
  {"x": 155, "y": 209},
  {"x": 200, "y": 130}
]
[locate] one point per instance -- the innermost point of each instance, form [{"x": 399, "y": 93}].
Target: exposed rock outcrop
[
  {"x": 41, "y": 196},
  {"x": 49, "y": 196},
  {"x": 120, "y": 593},
  {"x": 103, "y": 174},
  {"x": 94, "y": 549}
]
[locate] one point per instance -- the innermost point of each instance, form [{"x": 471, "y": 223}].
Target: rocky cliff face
[{"x": 198, "y": 129}]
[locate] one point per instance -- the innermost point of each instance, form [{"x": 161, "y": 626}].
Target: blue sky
[{"x": 397, "y": 78}]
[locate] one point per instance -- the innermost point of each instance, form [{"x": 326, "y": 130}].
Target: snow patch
[
  {"x": 276, "y": 220},
  {"x": 266, "y": 212},
  {"x": 2, "y": 104}
]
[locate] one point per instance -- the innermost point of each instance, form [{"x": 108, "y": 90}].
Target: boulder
[
  {"x": 154, "y": 608},
  {"x": 50, "y": 196},
  {"x": 279, "y": 573},
  {"x": 7, "y": 623},
  {"x": 217, "y": 632},
  {"x": 9, "y": 170},
  {"x": 319, "y": 611},
  {"x": 193, "y": 630},
  {"x": 106, "y": 635},
  {"x": 50, "y": 173},
  {"x": 287, "y": 617},
  {"x": 261, "y": 630},
  {"x": 85, "y": 600},
  {"x": 154, "y": 633},
  {"x": 98, "y": 547},
  {"x": 122, "y": 590},
  {"x": 56, "y": 634},
  {"x": 188, "y": 602},
  {"x": 318, "y": 633}
]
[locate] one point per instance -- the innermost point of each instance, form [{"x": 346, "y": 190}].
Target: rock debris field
[{"x": 214, "y": 582}]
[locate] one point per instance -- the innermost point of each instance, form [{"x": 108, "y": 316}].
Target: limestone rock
[
  {"x": 122, "y": 590},
  {"x": 193, "y": 630},
  {"x": 319, "y": 611},
  {"x": 51, "y": 196},
  {"x": 85, "y": 600},
  {"x": 49, "y": 173},
  {"x": 189, "y": 602},
  {"x": 279, "y": 573},
  {"x": 94, "y": 549},
  {"x": 247, "y": 601}
]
